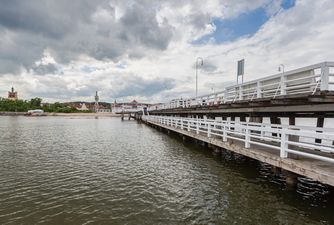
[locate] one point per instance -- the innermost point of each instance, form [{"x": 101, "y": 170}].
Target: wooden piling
[{"x": 291, "y": 179}]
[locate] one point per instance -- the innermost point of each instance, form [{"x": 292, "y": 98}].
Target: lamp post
[
  {"x": 199, "y": 59},
  {"x": 282, "y": 85},
  {"x": 281, "y": 68}
]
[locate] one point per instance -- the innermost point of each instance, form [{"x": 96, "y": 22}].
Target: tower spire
[{"x": 96, "y": 105}]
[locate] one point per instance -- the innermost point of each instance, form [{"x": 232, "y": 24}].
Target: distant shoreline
[{"x": 63, "y": 114}]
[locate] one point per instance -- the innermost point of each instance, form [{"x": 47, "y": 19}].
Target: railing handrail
[
  {"x": 266, "y": 87},
  {"x": 271, "y": 77},
  {"x": 261, "y": 134},
  {"x": 287, "y": 73},
  {"x": 280, "y": 126}
]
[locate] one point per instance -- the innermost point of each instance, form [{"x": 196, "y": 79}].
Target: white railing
[
  {"x": 316, "y": 143},
  {"x": 127, "y": 110},
  {"x": 310, "y": 79}
]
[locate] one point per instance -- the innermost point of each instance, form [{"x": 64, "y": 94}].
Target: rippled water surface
[{"x": 57, "y": 170}]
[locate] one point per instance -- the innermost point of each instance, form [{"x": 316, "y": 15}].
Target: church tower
[{"x": 12, "y": 95}]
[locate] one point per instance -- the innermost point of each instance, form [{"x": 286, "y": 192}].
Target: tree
[{"x": 35, "y": 102}]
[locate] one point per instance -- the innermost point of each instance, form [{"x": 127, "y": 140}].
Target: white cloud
[{"x": 296, "y": 37}]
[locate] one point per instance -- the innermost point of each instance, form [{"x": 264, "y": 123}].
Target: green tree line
[{"x": 7, "y": 105}]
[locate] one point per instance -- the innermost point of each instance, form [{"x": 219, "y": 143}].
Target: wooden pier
[
  {"x": 276, "y": 145},
  {"x": 131, "y": 115},
  {"x": 248, "y": 119}
]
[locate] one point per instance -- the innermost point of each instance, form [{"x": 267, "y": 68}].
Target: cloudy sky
[{"x": 146, "y": 50}]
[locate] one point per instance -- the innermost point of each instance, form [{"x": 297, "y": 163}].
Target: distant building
[
  {"x": 133, "y": 106},
  {"x": 103, "y": 109},
  {"x": 99, "y": 108},
  {"x": 82, "y": 107},
  {"x": 12, "y": 95}
]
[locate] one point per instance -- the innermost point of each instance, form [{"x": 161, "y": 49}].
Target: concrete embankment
[
  {"x": 85, "y": 114},
  {"x": 12, "y": 113},
  {"x": 64, "y": 114}
]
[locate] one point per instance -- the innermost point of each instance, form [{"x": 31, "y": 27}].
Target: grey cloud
[
  {"x": 199, "y": 20},
  {"x": 47, "y": 87},
  {"x": 55, "y": 89},
  {"x": 51, "y": 18},
  {"x": 141, "y": 24},
  {"x": 69, "y": 29},
  {"x": 8, "y": 65},
  {"x": 49, "y": 68},
  {"x": 127, "y": 85},
  {"x": 18, "y": 50},
  {"x": 116, "y": 86},
  {"x": 209, "y": 67}
]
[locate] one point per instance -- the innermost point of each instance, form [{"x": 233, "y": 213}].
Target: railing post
[
  {"x": 263, "y": 126},
  {"x": 225, "y": 96},
  {"x": 284, "y": 145},
  {"x": 188, "y": 124},
  {"x": 247, "y": 137},
  {"x": 224, "y": 131},
  {"x": 324, "y": 86},
  {"x": 240, "y": 92},
  {"x": 181, "y": 124},
  {"x": 283, "y": 85},
  {"x": 209, "y": 129},
  {"x": 258, "y": 89},
  {"x": 197, "y": 126}
]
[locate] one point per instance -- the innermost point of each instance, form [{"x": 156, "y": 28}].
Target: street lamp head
[
  {"x": 201, "y": 61},
  {"x": 281, "y": 68}
]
